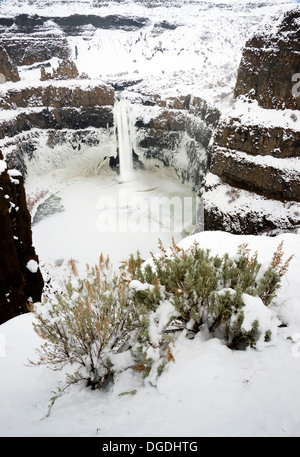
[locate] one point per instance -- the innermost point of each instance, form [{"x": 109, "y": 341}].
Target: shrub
[
  {"x": 197, "y": 290},
  {"x": 107, "y": 322},
  {"x": 33, "y": 201},
  {"x": 89, "y": 327}
]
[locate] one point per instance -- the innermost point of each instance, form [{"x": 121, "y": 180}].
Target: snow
[
  {"x": 247, "y": 113},
  {"x": 162, "y": 315},
  {"x": 99, "y": 213},
  {"x": 3, "y": 166},
  {"x": 14, "y": 173},
  {"x": 242, "y": 202},
  {"x": 32, "y": 266},
  {"x": 210, "y": 390},
  {"x": 255, "y": 309},
  {"x": 288, "y": 166},
  {"x": 139, "y": 286},
  {"x": 198, "y": 55}
]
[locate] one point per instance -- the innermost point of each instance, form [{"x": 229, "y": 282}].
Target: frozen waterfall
[{"x": 125, "y": 137}]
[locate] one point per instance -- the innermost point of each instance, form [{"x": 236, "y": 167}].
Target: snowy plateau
[{"x": 163, "y": 50}]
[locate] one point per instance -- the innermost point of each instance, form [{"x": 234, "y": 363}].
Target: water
[{"x": 125, "y": 138}]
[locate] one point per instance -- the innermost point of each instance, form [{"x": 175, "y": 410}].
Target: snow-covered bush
[
  {"x": 229, "y": 297},
  {"x": 105, "y": 322},
  {"x": 90, "y": 327}
]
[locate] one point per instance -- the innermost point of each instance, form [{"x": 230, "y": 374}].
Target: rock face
[
  {"x": 177, "y": 131},
  {"x": 28, "y": 40},
  {"x": 7, "y": 69},
  {"x": 270, "y": 61},
  {"x": 62, "y": 95},
  {"x": 31, "y": 39},
  {"x": 255, "y": 152},
  {"x": 66, "y": 70},
  {"x": 67, "y": 105},
  {"x": 20, "y": 278}
]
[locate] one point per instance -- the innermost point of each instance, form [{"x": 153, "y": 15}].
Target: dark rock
[
  {"x": 265, "y": 179},
  {"x": 259, "y": 158},
  {"x": 56, "y": 96},
  {"x": 18, "y": 283},
  {"x": 269, "y": 63},
  {"x": 66, "y": 69}
]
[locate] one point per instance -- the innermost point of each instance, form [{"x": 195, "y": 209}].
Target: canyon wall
[
  {"x": 177, "y": 131},
  {"x": 21, "y": 281},
  {"x": 254, "y": 156},
  {"x": 51, "y": 107},
  {"x": 8, "y": 70},
  {"x": 269, "y": 62}
]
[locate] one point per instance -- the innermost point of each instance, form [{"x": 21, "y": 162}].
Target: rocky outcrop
[
  {"x": 65, "y": 105},
  {"x": 21, "y": 281},
  {"x": 260, "y": 140},
  {"x": 61, "y": 95},
  {"x": 29, "y": 50},
  {"x": 29, "y": 40},
  {"x": 66, "y": 69},
  {"x": 8, "y": 70},
  {"x": 176, "y": 131},
  {"x": 256, "y": 146},
  {"x": 270, "y": 178},
  {"x": 65, "y": 118},
  {"x": 257, "y": 158},
  {"x": 270, "y": 61}
]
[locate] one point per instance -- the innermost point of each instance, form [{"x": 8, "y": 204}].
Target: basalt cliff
[
  {"x": 254, "y": 155},
  {"x": 21, "y": 281}
]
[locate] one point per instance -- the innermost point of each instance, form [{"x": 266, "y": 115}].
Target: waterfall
[{"x": 125, "y": 137}]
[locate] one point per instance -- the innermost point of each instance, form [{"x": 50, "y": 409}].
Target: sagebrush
[{"x": 107, "y": 322}]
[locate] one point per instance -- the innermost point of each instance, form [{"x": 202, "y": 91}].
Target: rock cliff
[
  {"x": 28, "y": 40},
  {"x": 255, "y": 152},
  {"x": 21, "y": 281},
  {"x": 270, "y": 61},
  {"x": 177, "y": 132},
  {"x": 8, "y": 70},
  {"x": 44, "y": 106}
]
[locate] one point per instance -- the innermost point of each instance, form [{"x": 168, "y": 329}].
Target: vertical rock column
[
  {"x": 8, "y": 70},
  {"x": 20, "y": 277}
]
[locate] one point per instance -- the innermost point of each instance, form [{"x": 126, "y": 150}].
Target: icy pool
[{"x": 81, "y": 217}]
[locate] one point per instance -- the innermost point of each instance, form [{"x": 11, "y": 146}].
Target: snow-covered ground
[{"x": 210, "y": 390}]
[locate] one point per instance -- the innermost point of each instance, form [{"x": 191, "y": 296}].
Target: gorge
[{"x": 216, "y": 122}]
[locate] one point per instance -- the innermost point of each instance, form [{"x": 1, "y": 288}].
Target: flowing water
[{"x": 125, "y": 137}]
